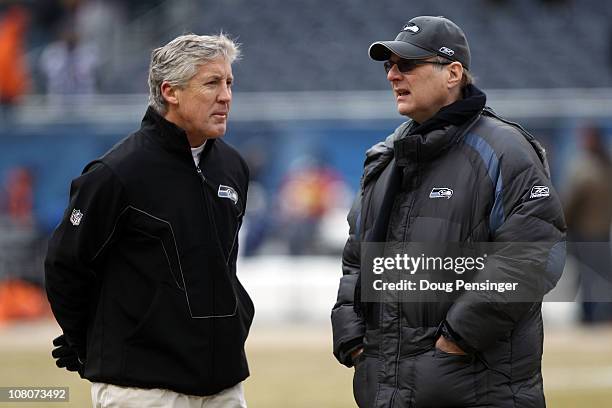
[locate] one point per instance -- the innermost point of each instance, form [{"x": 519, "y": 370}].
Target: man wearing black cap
[{"x": 455, "y": 173}]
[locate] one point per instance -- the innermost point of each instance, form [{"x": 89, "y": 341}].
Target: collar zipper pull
[{"x": 201, "y": 174}]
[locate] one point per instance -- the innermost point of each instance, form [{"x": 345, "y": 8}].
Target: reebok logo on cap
[{"x": 447, "y": 51}]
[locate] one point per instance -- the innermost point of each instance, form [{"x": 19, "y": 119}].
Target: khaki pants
[{"x": 113, "y": 396}]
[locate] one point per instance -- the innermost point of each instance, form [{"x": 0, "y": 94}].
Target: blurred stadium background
[{"x": 307, "y": 104}]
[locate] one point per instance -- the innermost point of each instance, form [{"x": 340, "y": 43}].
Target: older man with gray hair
[{"x": 141, "y": 271}]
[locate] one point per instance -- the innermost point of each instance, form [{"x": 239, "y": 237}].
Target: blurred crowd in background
[
  {"x": 84, "y": 46},
  {"x": 304, "y": 172}
]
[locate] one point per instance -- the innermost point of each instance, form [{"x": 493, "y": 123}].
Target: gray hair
[
  {"x": 179, "y": 60},
  {"x": 466, "y": 79}
]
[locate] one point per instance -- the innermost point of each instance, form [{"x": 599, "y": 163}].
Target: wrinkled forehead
[{"x": 219, "y": 66}]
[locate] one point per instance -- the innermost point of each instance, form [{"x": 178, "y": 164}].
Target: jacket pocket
[
  {"x": 200, "y": 270},
  {"x": 458, "y": 375},
  {"x": 209, "y": 290},
  {"x": 465, "y": 358}
]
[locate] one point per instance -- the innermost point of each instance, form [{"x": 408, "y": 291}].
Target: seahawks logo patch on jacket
[
  {"x": 228, "y": 192},
  {"x": 441, "y": 192}
]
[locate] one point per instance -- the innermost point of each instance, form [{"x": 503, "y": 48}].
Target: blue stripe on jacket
[{"x": 491, "y": 161}]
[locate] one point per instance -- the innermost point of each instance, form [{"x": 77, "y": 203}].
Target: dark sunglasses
[{"x": 406, "y": 65}]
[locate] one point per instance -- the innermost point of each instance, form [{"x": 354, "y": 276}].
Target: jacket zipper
[
  {"x": 399, "y": 305},
  {"x": 208, "y": 208},
  {"x": 392, "y": 401}
]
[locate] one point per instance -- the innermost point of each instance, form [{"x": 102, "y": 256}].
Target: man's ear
[
  {"x": 169, "y": 93},
  {"x": 455, "y": 70}
]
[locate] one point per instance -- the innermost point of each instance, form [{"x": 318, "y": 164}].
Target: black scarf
[{"x": 457, "y": 113}]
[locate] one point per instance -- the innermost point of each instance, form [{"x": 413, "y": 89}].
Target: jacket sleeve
[
  {"x": 528, "y": 232},
  {"x": 348, "y": 327},
  {"x": 96, "y": 201}
]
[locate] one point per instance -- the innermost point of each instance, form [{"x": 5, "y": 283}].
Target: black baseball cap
[{"x": 424, "y": 37}]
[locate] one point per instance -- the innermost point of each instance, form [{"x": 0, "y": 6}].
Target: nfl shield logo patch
[{"x": 75, "y": 217}]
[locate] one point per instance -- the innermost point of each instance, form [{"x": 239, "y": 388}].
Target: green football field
[{"x": 292, "y": 366}]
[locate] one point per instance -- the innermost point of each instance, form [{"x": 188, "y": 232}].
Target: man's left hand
[
  {"x": 448, "y": 346},
  {"x": 66, "y": 356}
]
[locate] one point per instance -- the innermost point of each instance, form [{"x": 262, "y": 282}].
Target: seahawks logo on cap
[
  {"x": 447, "y": 51},
  {"x": 411, "y": 27}
]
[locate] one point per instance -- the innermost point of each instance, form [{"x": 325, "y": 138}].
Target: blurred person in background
[
  {"x": 19, "y": 191},
  {"x": 258, "y": 216},
  {"x": 96, "y": 21},
  {"x": 21, "y": 293},
  {"x": 482, "y": 348},
  {"x": 14, "y": 76},
  {"x": 588, "y": 211},
  {"x": 73, "y": 63},
  {"x": 307, "y": 194},
  {"x": 141, "y": 271},
  {"x": 69, "y": 66}
]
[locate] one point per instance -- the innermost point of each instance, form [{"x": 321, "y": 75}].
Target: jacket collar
[
  {"x": 433, "y": 137},
  {"x": 167, "y": 134},
  {"x": 379, "y": 155},
  {"x": 418, "y": 147}
]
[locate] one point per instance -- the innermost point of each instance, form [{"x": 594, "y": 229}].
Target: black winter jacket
[
  {"x": 492, "y": 166},
  {"x": 141, "y": 271}
]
